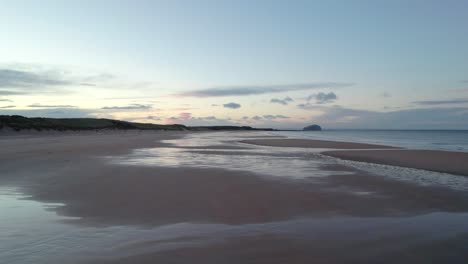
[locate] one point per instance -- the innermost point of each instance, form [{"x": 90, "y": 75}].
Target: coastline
[
  {"x": 433, "y": 160},
  {"x": 310, "y": 143}
]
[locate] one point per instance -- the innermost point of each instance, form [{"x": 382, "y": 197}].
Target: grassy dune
[
  {"x": 38, "y": 123},
  {"x": 19, "y": 123}
]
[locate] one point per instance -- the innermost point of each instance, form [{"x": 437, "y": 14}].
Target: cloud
[
  {"x": 464, "y": 81},
  {"x": 50, "y": 112},
  {"x": 185, "y": 116},
  {"x": 323, "y": 98},
  {"x": 255, "y": 90},
  {"x": 391, "y": 107},
  {"x": 283, "y": 101},
  {"x": 102, "y": 77},
  {"x": 5, "y": 100},
  {"x": 8, "y": 106},
  {"x": 19, "y": 79},
  {"x": 442, "y": 102},
  {"x": 181, "y": 109},
  {"x": 189, "y": 120},
  {"x": 128, "y": 107},
  {"x": 150, "y": 117},
  {"x": 87, "y": 84},
  {"x": 463, "y": 90},
  {"x": 134, "y": 98},
  {"x": 386, "y": 95},
  {"x": 9, "y": 92},
  {"x": 209, "y": 121},
  {"x": 336, "y": 117},
  {"x": 181, "y": 117},
  {"x": 50, "y": 106},
  {"x": 275, "y": 117},
  {"x": 424, "y": 118},
  {"x": 232, "y": 105},
  {"x": 207, "y": 118},
  {"x": 22, "y": 79}
]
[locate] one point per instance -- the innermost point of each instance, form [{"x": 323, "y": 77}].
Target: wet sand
[
  {"x": 283, "y": 249},
  {"x": 73, "y": 170},
  {"x": 306, "y": 143},
  {"x": 440, "y": 161},
  {"x": 432, "y": 160}
]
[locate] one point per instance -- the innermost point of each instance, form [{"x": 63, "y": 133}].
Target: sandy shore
[
  {"x": 305, "y": 143},
  {"x": 439, "y": 161},
  {"x": 73, "y": 170},
  {"x": 70, "y": 169}
]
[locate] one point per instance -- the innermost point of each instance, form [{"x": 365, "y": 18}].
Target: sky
[{"x": 282, "y": 64}]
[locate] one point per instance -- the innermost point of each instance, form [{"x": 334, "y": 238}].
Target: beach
[
  {"x": 308, "y": 143},
  {"x": 233, "y": 197},
  {"x": 433, "y": 160}
]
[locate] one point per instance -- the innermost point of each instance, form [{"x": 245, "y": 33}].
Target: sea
[{"x": 451, "y": 140}]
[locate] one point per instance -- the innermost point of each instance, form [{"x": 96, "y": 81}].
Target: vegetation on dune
[
  {"x": 18, "y": 123},
  {"x": 61, "y": 124}
]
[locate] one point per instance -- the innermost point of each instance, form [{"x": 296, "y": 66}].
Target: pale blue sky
[{"x": 380, "y": 56}]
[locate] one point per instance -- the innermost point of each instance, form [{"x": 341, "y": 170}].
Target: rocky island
[{"x": 312, "y": 128}]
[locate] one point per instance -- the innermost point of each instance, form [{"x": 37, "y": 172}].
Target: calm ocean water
[{"x": 454, "y": 140}]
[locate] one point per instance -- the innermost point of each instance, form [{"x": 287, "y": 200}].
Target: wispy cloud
[
  {"x": 283, "y": 101},
  {"x": 19, "y": 79},
  {"x": 185, "y": 116},
  {"x": 386, "y": 95},
  {"x": 462, "y": 90},
  {"x": 208, "y": 118},
  {"x": 22, "y": 79},
  {"x": 424, "y": 118},
  {"x": 180, "y": 117},
  {"x": 50, "y": 106},
  {"x": 255, "y": 90},
  {"x": 232, "y": 105},
  {"x": 275, "y": 117},
  {"x": 5, "y": 100},
  {"x": 101, "y": 77},
  {"x": 8, "y": 106},
  {"x": 87, "y": 84},
  {"x": 441, "y": 102},
  {"x": 190, "y": 120},
  {"x": 50, "y": 112},
  {"x": 128, "y": 107},
  {"x": 155, "y": 118},
  {"x": 10, "y": 92}
]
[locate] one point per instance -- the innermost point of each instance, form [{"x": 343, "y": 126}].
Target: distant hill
[{"x": 17, "y": 123}]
